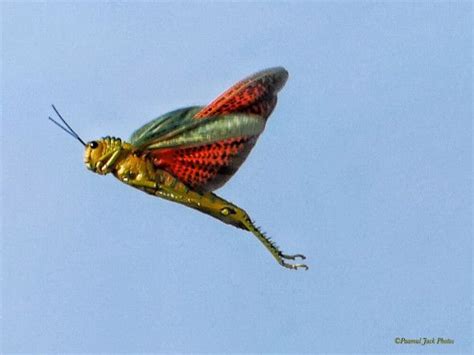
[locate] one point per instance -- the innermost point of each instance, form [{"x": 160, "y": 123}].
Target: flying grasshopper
[{"x": 186, "y": 154}]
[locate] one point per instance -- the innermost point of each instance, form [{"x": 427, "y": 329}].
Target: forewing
[
  {"x": 163, "y": 125},
  {"x": 209, "y": 130}
]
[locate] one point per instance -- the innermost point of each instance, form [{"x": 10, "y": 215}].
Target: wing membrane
[
  {"x": 210, "y": 130},
  {"x": 206, "y": 167},
  {"x": 163, "y": 125},
  {"x": 255, "y": 94},
  {"x": 204, "y": 146}
]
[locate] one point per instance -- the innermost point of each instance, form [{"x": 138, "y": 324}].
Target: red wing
[
  {"x": 205, "y": 167},
  {"x": 208, "y": 167},
  {"x": 253, "y": 95}
]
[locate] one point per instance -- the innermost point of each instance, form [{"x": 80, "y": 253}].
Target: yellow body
[{"x": 131, "y": 166}]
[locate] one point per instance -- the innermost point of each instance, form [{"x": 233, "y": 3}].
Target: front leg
[{"x": 107, "y": 161}]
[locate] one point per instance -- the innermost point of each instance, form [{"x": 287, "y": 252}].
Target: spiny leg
[
  {"x": 219, "y": 208},
  {"x": 229, "y": 213},
  {"x": 272, "y": 247}
]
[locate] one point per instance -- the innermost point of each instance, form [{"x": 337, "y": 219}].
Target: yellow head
[{"x": 100, "y": 155}]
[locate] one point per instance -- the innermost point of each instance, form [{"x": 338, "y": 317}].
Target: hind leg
[
  {"x": 217, "y": 207},
  {"x": 241, "y": 219},
  {"x": 227, "y": 212}
]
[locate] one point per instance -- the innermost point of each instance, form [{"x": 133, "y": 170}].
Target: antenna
[{"x": 68, "y": 130}]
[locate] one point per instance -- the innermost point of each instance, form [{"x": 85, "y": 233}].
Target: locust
[{"x": 185, "y": 155}]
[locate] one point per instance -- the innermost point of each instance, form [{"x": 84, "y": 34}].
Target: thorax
[{"x": 133, "y": 164}]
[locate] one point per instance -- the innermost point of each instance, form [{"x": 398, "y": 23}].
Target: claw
[
  {"x": 294, "y": 266},
  {"x": 293, "y": 257}
]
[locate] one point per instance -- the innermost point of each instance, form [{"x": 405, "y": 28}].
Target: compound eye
[{"x": 93, "y": 144}]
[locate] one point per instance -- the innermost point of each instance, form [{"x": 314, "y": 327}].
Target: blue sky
[{"x": 364, "y": 167}]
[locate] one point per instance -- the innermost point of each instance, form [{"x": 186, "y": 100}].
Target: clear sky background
[{"x": 365, "y": 167}]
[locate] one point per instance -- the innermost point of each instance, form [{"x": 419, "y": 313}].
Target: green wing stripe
[
  {"x": 209, "y": 130},
  {"x": 163, "y": 125}
]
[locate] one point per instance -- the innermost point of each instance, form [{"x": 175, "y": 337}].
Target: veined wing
[
  {"x": 256, "y": 94},
  {"x": 163, "y": 125},
  {"x": 203, "y": 153},
  {"x": 204, "y": 146}
]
